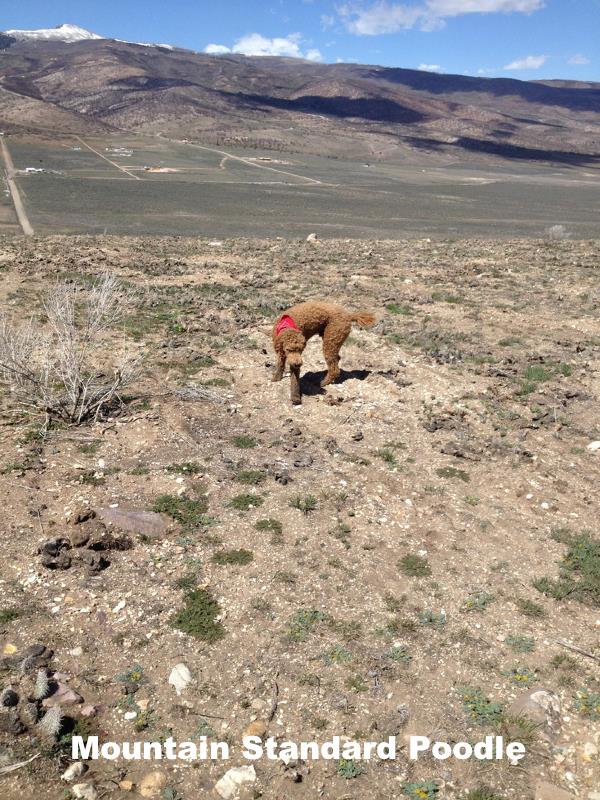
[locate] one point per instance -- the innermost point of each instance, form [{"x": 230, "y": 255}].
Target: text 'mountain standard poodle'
[{"x": 297, "y": 324}]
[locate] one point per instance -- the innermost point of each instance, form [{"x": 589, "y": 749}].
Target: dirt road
[{"x": 14, "y": 191}]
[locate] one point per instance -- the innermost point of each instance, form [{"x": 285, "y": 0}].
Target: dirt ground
[{"x": 371, "y": 553}]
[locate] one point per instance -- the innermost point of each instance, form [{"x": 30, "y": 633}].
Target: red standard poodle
[{"x": 296, "y": 326}]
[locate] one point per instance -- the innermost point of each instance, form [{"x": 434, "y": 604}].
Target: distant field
[{"x": 111, "y": 184}]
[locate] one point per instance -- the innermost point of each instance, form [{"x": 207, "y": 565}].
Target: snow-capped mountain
[{"x": 62, "y": 33}]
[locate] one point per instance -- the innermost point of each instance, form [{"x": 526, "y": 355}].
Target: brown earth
[{"x": 459, "y": 434}]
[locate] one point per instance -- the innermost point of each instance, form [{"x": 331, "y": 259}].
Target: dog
[{"x": 295, "y": 327}]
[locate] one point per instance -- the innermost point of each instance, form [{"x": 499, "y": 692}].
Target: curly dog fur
[{"x": 332, "y": 322}]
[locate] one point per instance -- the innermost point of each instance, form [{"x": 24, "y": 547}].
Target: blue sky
[{"x": 527, "y": 39}]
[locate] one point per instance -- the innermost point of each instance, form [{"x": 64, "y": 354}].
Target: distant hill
[{"x": 83, "y": 83}]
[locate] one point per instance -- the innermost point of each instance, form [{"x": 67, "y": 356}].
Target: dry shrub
[{"x": 61, "y": 369}]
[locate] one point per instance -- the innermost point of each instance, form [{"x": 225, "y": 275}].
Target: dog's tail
[{"x": 363, "y": 319}]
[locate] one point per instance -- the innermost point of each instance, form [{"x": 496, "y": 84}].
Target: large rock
[
  {"x": 228, "y": 786},
  {"x": 146, "y": 523},
  {"x": 540, "y": 706}
]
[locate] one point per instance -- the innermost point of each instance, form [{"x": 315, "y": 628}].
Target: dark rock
[
  {"x": 95, "y": 562},
  {"x": 358, "y": 436},
  {"x": 11, "y": 723},
  {"x": 83, "y": 515},
  {"x": 9, "y": 698},
  {"x": 61, "y": 561},
  {"x": 53, "y": 547}
]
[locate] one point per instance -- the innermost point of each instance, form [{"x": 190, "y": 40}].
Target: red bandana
[{"x": 285, "y": 322}]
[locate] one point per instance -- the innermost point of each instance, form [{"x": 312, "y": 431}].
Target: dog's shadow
[{"x": 310, "y": 382}]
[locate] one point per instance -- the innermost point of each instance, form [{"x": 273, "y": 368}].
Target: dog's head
[{"x": 293, "y": 343}]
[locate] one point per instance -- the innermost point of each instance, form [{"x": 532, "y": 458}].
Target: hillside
[{"x": 285, "y": 104}]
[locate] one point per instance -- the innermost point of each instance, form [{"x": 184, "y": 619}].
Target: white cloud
[
  {"x": 216, "y": 49},
  {"x": 255, "y": 44},
  {"x": 578, "y": 58},
  {"x": 385, "y": 17},
  {"x": 429, "y": 67},
  {"x": 529, "y": 62}
]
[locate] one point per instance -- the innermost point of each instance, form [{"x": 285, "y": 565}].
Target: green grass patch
[
  {"x": 520, "y": 644},
  {"x": 244, "y": 442},
  {"x": 452, "y": 473},
  {"x": 306, "y": 504},
  {"x": 241, "y": 557},
  {"x": 579, "y": 576},
  {"x": 244, "y": 502},
  {"x": 250, "y": 477},
  {"x": 189, "y": 513},
  {"x": 187, "y": 468},
  {"x": 8, "y": 615},
  {"x": 414, "y": 566},
  {"x": 198, "y": 617}
]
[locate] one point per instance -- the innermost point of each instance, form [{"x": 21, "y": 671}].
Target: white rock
[
  {"x": 76, "y": 651},
  {"x": 130, "y": 715},
  {"x": 589, "y": 751},
  {"x": 74, "y": 771},
  {"x": 593, "y": 446},
  {"x": 180, "y": 677},
  {"x": 312, "y": 237},
  {"x": 84, "y": 791},
  {"x": 228, "y": 785}
]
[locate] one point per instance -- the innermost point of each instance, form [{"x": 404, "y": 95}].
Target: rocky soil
[{"x": 414, "y": 550}]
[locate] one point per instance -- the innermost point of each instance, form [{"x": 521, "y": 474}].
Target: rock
[
  {"x": 74, "y": 771},
  {"x": 79, "y": 537},
  {"x": 126, "y": 785},
  {"x": 152, "y": 784},
  {"x": 358, "y": 436},
  {"x": 312, "y": 237},
  {"x": 256, "y": 728},
  {"x": 95, "y": 562},
  {"x": 63, "y": 696},
  {"x": 82, "y": 515},
  {"x": 84, "y": 791},
  {"x": 10, "y": 722},
  {"x": 146, "y": 523},
  {"x": 540, "y": 706},
  {"x": 547, "y": 791},
  {"x": 590, "y": 751},
  {"x": 54, "y": 555},
  {"x": 229, "y": 784},
  {"x": 9, "y": 698},
  {"x": 180, "y": 677},
  {"x": 593, "y": 446}
]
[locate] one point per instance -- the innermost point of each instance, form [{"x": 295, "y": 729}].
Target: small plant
[
  {"x": 8, "y": 615},
  {"x": 453, "y": 473},
  {"x": 579, "y": 576},
  {"x": 348, "y": 768},
  {"x": 414, "y": 566},
  {"x": 244, "y": 502},
  {"x": 520, "y": 644},
  {"x": 303, "y": 622},
  {"x": 400, "y": 653},
  {"x": 189, "y": 513},
  {"x": 250, "y": 477},
  {"x": 478, "y": 601},
  {"x": 286, "y": 577},
  {"x": 392, "y": 603},
  {"x": 356, "y": 684},
  {"x": 244, "y": 442},
  {"x": 420, "y": 790},
  {"x": 187, "y": 468},
  {"x": 479, "y": 709},
  {"x": 306, "y": 504},
  {"x": 587, "y": 703},
  {"x": 521, "y": 675},
  {"x": 483, "y": 793},
  {"x": 433, "y": 618},
  {"x": 273, "y": 525},
  {"x": 240, "y": 557},
  {"x": 395, "y": 308},
  {"x": 337, "y": 655},
  {"x": 135, "y": 675},
  {"x": 386, "y": 455},
  {"x": 529, "y": 608},
  {"x": 199, "y": 616}
]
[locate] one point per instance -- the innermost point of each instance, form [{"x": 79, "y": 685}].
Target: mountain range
[{"x": 69, "y": 80}]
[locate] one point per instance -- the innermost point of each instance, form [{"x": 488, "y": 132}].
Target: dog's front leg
[
  {"x": 279, "y": 368},
  {"x": 295, "y": 393}
]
